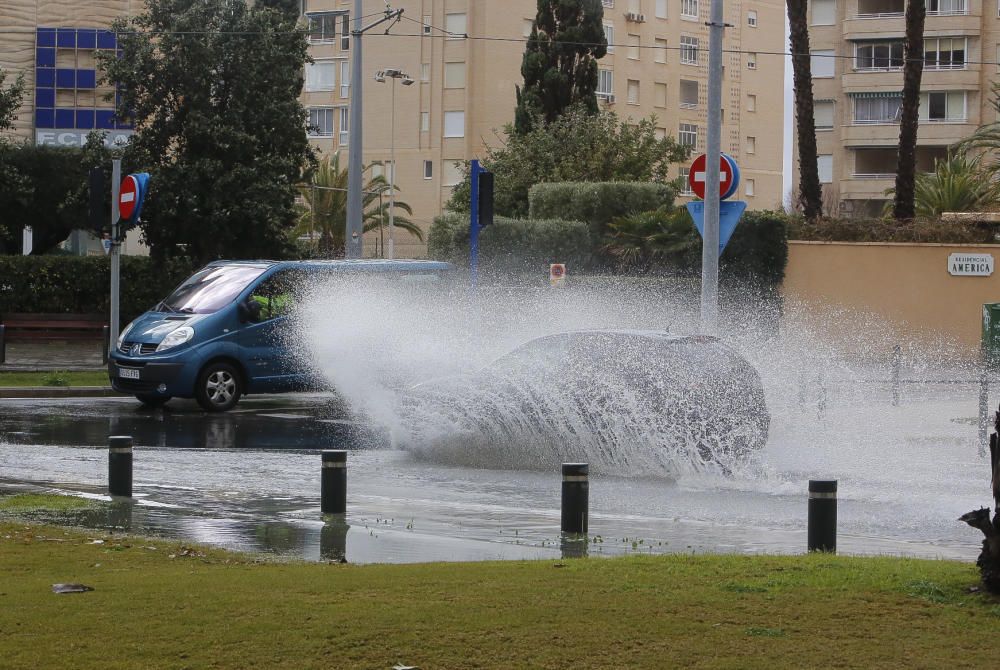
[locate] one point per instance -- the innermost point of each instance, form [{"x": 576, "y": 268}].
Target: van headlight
[
  {"x": 176, "y": 337},
  {"x": 121, "y": 338}
]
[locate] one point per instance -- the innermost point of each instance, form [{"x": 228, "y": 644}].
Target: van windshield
[{"x": 211, "y": 289}]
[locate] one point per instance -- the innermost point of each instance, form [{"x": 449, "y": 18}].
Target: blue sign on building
[{"x": 68, "y": 104}]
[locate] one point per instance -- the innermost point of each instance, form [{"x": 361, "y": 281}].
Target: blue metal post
[{"x": 474, "y": 223}]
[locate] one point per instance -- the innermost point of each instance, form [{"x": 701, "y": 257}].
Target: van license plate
[{"x": 128, "y": 373}]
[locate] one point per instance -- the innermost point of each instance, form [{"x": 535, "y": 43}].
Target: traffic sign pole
[
  {"x": 116, "y": 249},
  {"x": 709, "y": 254}
]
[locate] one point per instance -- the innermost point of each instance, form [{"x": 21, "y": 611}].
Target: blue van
[{"x": 220, "y": 334}]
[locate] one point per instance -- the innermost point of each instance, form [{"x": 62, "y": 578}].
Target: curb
[{"x": 60, "y": 392}]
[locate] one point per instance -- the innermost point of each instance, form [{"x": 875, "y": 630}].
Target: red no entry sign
[
  {"x": 128, "y": 197},
  {"x": 697, "y": 176}
]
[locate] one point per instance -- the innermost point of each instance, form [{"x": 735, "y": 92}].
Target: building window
[
  {"x": 608, "y": 3},
  {"x": 633, "y": 47},
  {"x": 752, "y": 18},
  {"x": 875, "y": 110},
  {"x": 751, "y": 102},
  {"x": 877, "y": 55},
  {"x": 428, "y": 169},
  {"x": 824, "y": 12},
  {"x": 689, "y": 94},
  {"x": 948, "y": 106},
  {"x": 751, "y": 60},
  {"x": 428, "y": 28},
  {"x": 529, "y": 25},
  {"x": 824, "y": 164},
  {"x": 609, "y": 35},
  {"x": 689, "y": 50},
  {"x": 635, "y": 6},
  {"x": 454, "y": 124},
  {"x": 321, "y": 122},
  {"x": 452, "y": 172},
  {"x": 321, "y": 75},
  {"x": 425, "y": 122},
  {"x": 454, "y": 75},
  {"x": 345, "y": 33},
  {"x": 633, "y": 92},
  {"x": 822, "y": 63},
  {"x": 345, "y": 78},
  {"x": 660, "y": 95},
  {"x": 751, "y": 144},
  {"x": 660, "y": 52},
  {"x": 750, "y": 187},
  {"x": 687, "y": 135},
  {"x": 689, "y": 9},
  {"x": 823, "y": 114},
  {"x": 425, "y": 72},
  {"x": 944, "y": 53},
  {"x": 454, "y": 25},
  {"x": 946, "y": 7},
  {"x": 685, "y": 184},
  {"x": 323, "y": 27},
  {"x": 660, "y": 133},
  {"x": 661, "y": 9},
  {"x": 606, "y": 84},
  {"x": 345, "y": 129}
]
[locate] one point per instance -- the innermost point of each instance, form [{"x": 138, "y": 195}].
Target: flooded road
[{"x": 249, "y": 480}]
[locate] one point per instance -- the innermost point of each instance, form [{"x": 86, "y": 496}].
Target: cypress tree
[{"x": 560, "y": 61}]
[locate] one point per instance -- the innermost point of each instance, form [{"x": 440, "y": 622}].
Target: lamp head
[
  {"x": 407, "y": 81},
  {"x": 392, "y": 72}
]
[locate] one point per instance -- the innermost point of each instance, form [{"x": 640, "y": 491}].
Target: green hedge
[
  {"x": 82, "y": 284},
  {"x": 512, "y": 246},
  {"x": 888, "y": 230},
  {"x": 597, "y": 203}
]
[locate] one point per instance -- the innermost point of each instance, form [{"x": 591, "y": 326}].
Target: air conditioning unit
[
  {"x": 635, "y": 16},
  {"x": 609, "y": 99}
]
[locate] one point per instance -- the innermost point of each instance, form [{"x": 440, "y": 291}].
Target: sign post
[
  {"x": 729, "y": 213},
  {"x": 474, "y": 171},
  {"x": 116, "y": 250}
]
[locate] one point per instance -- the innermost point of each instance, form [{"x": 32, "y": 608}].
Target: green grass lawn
[
  {"x": 54, "y": 378},
  {"x": 160, "y": 604}
]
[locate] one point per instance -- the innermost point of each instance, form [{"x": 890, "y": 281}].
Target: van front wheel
[{"x": 219, "y": 387}]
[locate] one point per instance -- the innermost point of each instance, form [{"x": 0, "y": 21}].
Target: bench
[{"x": 33, "y": 327}]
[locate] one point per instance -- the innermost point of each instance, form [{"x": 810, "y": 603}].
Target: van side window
[{"x": 275, "y": 295}]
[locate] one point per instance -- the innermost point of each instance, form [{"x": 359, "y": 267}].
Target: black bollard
[
  {"x": 333, "y": 539},
  {"x": 575, "y": 497},
  {"x": 3, "y": 343},
  {"x": 334, "y": 482},
  {"x": 823, "y": 515},
  {"x": 120, "y": 465}
]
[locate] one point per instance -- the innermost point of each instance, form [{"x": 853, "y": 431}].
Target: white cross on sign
[{"x": 723, "y": 176}]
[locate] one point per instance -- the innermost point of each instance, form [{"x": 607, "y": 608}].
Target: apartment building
[
  {"x": 857, "y": 69},
  {"x": 464, "y": 91},
  {"x": 465, "y": 58}
]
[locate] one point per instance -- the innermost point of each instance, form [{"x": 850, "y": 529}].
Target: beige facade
[
  {"x": 464, "y": 88},
  {"x": 857, "y": 48}
]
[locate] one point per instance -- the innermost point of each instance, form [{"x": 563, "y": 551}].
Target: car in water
[
  {"x": 626, "y": 401},
  {"x": 227, "y": 330}
]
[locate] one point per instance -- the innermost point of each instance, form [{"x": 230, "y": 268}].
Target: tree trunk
[
  {"x": 913, "y": 68},
  {"x": 989, "y": 556},
  {"x": 810, "y": 194}
]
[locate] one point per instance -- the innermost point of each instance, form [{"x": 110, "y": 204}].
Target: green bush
[
  {"x": 597, "y": 203},
  {"x": 82, "y": 284},
  {"x": 666, "y": 241},
  {"x": 512, "y": 246},
  {"x": 888, "y": 230}
]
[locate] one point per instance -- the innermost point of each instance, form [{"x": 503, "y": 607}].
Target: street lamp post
[{"x": 407, "y": 80}]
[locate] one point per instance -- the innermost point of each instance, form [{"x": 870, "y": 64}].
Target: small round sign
[
  {"x": 728, "y": 175},
  {"x": 128, "y": 197}
]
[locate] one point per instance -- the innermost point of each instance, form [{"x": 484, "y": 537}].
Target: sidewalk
[{"x": 54, "y": 355}]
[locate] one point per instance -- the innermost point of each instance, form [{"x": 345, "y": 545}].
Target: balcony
[
  {"x": 930, "y": 133},
  {"x": 875, "y": 170},
  {"x": 870, "y": 19}
]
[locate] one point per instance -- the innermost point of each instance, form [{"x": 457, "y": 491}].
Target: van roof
[{"x": 349, "y": 264}]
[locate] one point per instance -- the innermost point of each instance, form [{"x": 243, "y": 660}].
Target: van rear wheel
[{"x": 219, "y": 387}]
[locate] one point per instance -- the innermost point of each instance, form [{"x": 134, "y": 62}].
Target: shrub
[
  {"x": 512, "y": 246},
  {"x": 597, "y": 203},
  {"x": 82, "y": 284},
  {"x": 889, "y": 230}
]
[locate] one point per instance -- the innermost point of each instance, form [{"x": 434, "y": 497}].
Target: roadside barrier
[
  {"x": 333, "y": 484},
  {"x": 120, "y": 465},
  {"x": 575, "y": 497},
  {"x": 822, "y": 533}
]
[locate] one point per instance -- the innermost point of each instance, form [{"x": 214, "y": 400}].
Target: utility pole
[
  {"x": 710, "y": 237},
  {"x": 355, "y": 226}
]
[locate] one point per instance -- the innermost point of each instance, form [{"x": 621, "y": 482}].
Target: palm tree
[
  {"x": 913, "y": 67},
  {"x": 326, "y": 207},
  {"x": 987, "y": 136},
  {"x": 810, "y": 192},
  {"x": 958, "y": 184}
]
